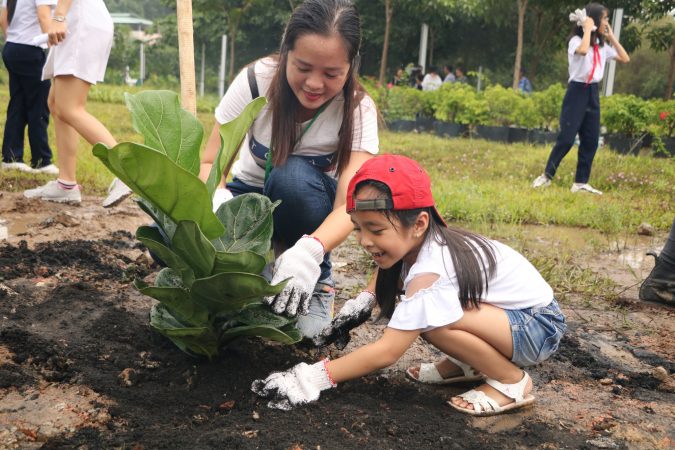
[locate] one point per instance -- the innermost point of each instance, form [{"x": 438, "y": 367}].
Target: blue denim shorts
[{"x": 536, "y": 333}]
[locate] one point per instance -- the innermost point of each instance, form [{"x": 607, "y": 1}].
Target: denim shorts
[{"x": 536, "y": 333}]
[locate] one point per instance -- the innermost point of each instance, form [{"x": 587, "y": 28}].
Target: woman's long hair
[
  {"x": 325, "y": 18},
  {"x": 595, "y": 11},
  {"x": 473, "y": 257}
]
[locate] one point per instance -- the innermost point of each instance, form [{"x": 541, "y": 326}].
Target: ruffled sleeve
[{"x": 433, "y": 307}]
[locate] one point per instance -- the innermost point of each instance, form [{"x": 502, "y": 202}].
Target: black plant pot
[
  {"x": 518, "y": 135},
  {"x": 543, "y": 137},
  {"x": 425, "y": 124},
  {"x": 669, "y": 144},
  {"x": 402, "y": 125},
  {"x": 622, "y": 144},
  {"x": 449, "y": 129},
  {"x": 499, "y": 134}
]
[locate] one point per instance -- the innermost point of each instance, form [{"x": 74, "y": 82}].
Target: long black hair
[
  {"x": 325, "y": 18},
  {"x": 473, "y": 257},
  {"x": 11, "y": 7},
  {"x": 595, "y": 11}
]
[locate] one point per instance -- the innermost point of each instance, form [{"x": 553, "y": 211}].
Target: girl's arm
[
  {"x": 57, "y": 29},
  {"x": 44, "y": 14},
  {"x": 3, "y": 21},
  {"x": 337, "y": 226},
  {"x": 621, "y": 54},
  {"x": 586, "y": 39}
]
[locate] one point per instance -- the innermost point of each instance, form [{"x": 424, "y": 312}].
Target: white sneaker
[
  {"x": 541, "y": 181},
  {"x": 50, "y": 170},
  {"x": 585, "y": 187},
  {"x": 117, "y": 192},
  {"x": 21, "y": 167},
  {"x": 54, "y": 193}
]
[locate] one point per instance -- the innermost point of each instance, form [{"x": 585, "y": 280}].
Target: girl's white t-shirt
[
  {"x": 516, "y": 284},
  {"x": 580, "y": 66},
  {"x": 25, "y": 26},
  {"x": 320, "y": 139}
]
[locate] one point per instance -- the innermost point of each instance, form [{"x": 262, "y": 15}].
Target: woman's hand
[{"x": 57, "y": 32}]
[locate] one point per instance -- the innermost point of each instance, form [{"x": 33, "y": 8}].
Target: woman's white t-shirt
[
  {"x": 516, "y": 284},
  {"x": 25, "y": 26},
  {"x": 320, "y": 140},
  {"x": 580, "y": 66}
]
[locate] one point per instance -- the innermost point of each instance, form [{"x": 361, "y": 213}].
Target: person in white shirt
[
  {"x": 431, "y": 80},
  {"x": 591, "y": 46},
  {"x": 23, "y": 21},
  {"x": 317, "y": 129},
  {"x": 80, "y": 36},
  {"x": 477, "y": 300}
]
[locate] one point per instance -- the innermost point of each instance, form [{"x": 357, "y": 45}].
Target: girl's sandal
[
  {"x": 428, "y": 373},
  {"x": 486, "y": 406}
]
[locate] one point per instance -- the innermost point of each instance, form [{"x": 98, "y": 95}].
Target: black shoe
[{"x": 659, "y": 286}]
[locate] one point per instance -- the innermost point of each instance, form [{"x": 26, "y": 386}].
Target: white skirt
[{"x": 85, "y": 50}]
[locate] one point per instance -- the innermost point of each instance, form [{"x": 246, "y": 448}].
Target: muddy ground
[{"x": 80, "y": 367}]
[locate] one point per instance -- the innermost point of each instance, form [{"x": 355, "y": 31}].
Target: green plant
[
  {"x": 502, "y": 105},
  {"x": 548, "y": 103},
  {"x": 459, "y": 103},
  {"x": 211, "y": 290},
  {"x": 626, "y": 114},
  {"x": 403, "y": 103}
]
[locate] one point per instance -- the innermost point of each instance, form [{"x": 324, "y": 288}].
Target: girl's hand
[
  {"x": 608, "y": 31},
  {"x": 57, "y": 32},
  {"x": 353, "y": 313},
  {"x": 589, "y": 25}
]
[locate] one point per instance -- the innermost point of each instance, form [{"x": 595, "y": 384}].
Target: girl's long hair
[
  {"x": 473, "y": 257},
  {"x": 11, "y": 7},
  {"x": 325, "y": 18},
  {"x": 595, "y": 12}
]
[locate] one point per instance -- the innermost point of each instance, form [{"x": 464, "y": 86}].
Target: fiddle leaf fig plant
[{"x": 211, "y": 290}]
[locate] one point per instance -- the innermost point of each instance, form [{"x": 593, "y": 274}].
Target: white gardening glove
[
  {"x": 221, "y": 196},
  {"x": 301, "y": 264},
  {"x": 579, "y": 16},
  {"x": 353, "y": 313},
  {"x": 298, "y": 385}
]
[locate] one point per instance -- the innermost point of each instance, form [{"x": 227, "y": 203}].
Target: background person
[
  {"x": 587, "y": 54},
  {"x": 431, "y": 81},
  {"x": 22, "y": 22},
  {"x": 317, "y": 129},
  {"x": 475, "y": 299},
  {"x": 448, "y": 73},
  {"x": 524, "y": 85}
]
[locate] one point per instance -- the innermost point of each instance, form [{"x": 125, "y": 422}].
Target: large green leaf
[
  {"x": 193, "y": 247},
  {"x": 239, "y": 262},
  {"x": 153, "y": 240},
  {"x": 177, "y": 300},
  {"x": 263, "y": 331},
  {"x": 167, "y": 225},
  {"x": 262, "y": 315},
  {"x": 248, "y": 224},
  {"x": 166, "y": 127},
  {"x": 153, "y": 176},
  {"x": 231, "y": 135},
  {"x": 191, "y": 340},
  {"x": 228, "y": 293}
]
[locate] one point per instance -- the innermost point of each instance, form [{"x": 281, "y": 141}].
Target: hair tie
[{"x": 579, "y": 16}]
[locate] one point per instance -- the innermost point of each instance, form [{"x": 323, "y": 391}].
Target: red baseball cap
[{"x": 408, "y": 182}]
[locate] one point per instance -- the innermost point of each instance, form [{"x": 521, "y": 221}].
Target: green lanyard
[{"x": 268, "y": 162}]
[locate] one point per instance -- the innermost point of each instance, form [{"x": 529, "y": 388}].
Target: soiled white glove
[
  {"x": 579, "y": 16},
  {"x": 221, "y": 196},
  {"x": 353, "y": 313},
  {"x": 298, "y": 385},
  {"x": 301, "y": 264}
]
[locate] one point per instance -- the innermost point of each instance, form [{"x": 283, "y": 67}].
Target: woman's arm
[
  {"x": 44, "y": 14},
  {"x": 621, "y": 54},
  {"x": 209, "y": 156},
  {"x": 58, "y": 28},
  {"x": 586, "y": 39},
  {"x": 369, "y": 358},
  {"x": 337, "y": 226}
]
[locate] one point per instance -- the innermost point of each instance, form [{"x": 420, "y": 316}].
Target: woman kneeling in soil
[{"x": 477, "y": 300}]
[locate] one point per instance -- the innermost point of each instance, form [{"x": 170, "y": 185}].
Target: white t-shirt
[
  {"x": 516, "y": 284},
  {"x": 320, "y": 140},
  {"x": 431, "y": 82},
  {"x": 25, "y": 25},
  {"x": 580, "y": 66}
]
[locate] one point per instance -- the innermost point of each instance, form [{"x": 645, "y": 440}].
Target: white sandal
[
  {"x": 429, "y": 374},
  {"x": 486, "y": 406}
]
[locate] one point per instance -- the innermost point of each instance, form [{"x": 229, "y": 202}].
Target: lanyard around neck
[{"x": 268, "y": 162}]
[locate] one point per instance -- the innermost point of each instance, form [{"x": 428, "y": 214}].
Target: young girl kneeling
[{"x": 477, "y": 300}]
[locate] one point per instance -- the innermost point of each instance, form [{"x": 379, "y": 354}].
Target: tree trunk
[
  {"x": 671, "y": 73},
  {"x": 522, "y": 6},
  {"x": 186, "y": 56},
  {"x": 388, "y": 10}
]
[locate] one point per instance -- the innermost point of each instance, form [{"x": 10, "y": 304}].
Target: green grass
[{"x": 475, "y": 182}]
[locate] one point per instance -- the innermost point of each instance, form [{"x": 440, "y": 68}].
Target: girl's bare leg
[{"x": 66, "y": 142}]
